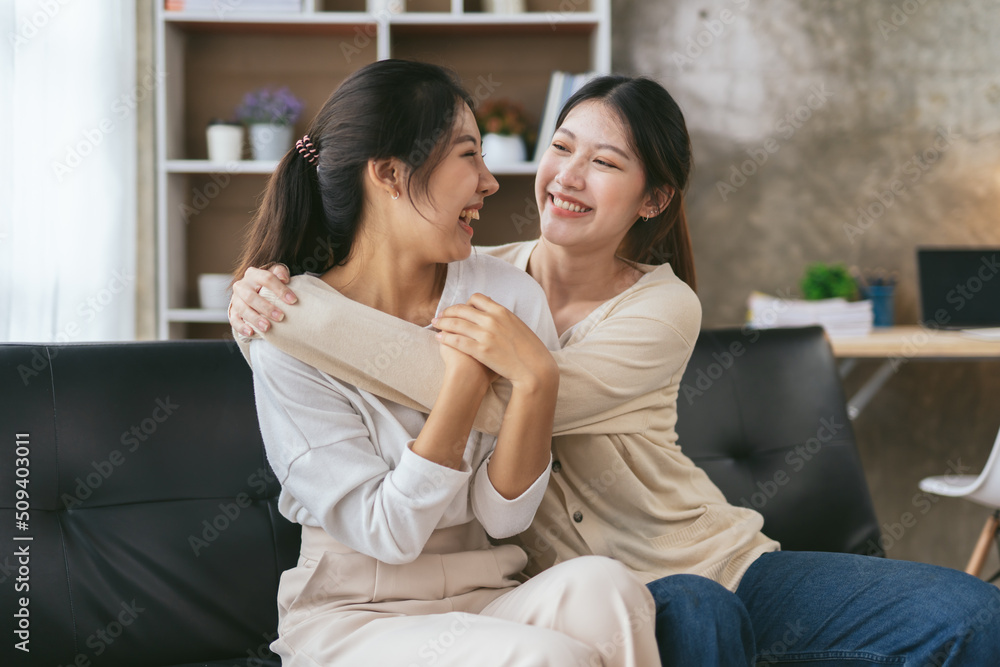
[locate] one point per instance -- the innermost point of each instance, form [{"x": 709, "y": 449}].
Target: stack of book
[
  {"x": 840, "y": 318},
  {"x": 562, "y": 85},
  {"x": 222, "y": 7}
]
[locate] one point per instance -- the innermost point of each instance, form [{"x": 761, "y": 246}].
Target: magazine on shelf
[{"x": 562, "y": 85}]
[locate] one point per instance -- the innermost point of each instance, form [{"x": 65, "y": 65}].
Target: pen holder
[{"x": 882, "y": 304}]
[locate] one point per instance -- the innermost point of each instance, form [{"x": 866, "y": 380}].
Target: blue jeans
[{"x": 811, "y": 609}]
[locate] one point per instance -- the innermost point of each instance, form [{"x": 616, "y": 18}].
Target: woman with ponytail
[
  {"x": 615, "y": 262},
  {"x": 397, "y": 506}
]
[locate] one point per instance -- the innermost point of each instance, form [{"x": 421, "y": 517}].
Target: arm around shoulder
[
  {"x": 310, "y": 428},
  {"x": 642, "y": 345}
]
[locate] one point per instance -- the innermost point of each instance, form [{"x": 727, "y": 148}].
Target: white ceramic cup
[
  {"x": 225, "y": 142},
  {"x": 504, "y": 6},
  {"x": 214, "y": 291}
]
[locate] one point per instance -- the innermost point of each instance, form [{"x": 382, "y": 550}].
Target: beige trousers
[{"x": 458, "y": 604}]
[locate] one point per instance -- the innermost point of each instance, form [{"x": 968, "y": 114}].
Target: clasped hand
[{"x": 496, "y": 338}]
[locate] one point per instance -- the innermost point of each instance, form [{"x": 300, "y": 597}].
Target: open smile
[
  {"x": 569, "y": 206},
  {"x": 466, "y": 217}
]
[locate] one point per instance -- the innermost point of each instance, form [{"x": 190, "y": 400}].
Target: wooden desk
[
  {"x": 899, "y": 345},
  {"x": 914, "y": 342}
]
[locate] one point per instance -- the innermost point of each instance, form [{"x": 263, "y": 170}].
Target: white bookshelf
[{"x": 211, "y": 60}]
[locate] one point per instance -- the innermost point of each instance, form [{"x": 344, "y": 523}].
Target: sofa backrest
[
  {"x": 763, "y": 413},
  {"x": 155, "y": 536},
  {"x": 154, "y": 533}
]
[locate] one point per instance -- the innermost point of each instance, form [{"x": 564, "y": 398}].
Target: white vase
[
  {"x": 269, "y": 141},
  {"x": 504, "y": 6},
  {"x": 214, "y": 291},
  {"x": 225, "y": 142},
  {"x": 502, "y": 150}
]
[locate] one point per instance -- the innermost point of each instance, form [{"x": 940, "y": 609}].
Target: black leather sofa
[
  {"x": 764, "y": 414},
  {"x": 138, "y": 519}
]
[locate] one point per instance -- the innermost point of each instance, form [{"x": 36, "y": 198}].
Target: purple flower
[{"x": 270, "y": 105}]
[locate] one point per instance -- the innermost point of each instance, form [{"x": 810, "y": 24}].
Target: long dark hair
[
  {"x": 309, "y": 214},
  {"x": 659, "y": 137}
]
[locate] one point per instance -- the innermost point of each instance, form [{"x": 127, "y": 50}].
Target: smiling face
[
  {"x": 455, "y": 193},
  {"x": 590, "y": 187}
]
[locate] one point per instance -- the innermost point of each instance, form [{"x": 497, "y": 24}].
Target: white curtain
[{"x": 68, "y": 96}]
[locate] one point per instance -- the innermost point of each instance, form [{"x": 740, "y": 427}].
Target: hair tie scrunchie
[{"x": 307, "y": 149}]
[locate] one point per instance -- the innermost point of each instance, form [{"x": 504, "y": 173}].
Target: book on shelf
[
  {"x": 840, "y": 318},
  {"x": 562, "y": 85},
  {"x": 223, "y": 7}
]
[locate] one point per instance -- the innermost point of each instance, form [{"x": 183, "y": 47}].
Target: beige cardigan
[{"x": 621, "y": 487}]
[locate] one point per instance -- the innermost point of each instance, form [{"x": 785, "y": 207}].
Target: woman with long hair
[
  {"x": 397, "y": 506},
  {"x": 614, "y": 260}
]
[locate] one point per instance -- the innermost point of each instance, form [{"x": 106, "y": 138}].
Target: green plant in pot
[{"x": 828, "y": 281}]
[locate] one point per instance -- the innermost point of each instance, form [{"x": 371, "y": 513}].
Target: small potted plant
[
  {"x": 502, "y": 124},
  {"x": 828, "y": 281},
  {"x": 270, "y": 114}
]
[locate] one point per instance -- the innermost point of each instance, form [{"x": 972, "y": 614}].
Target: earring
[
  {"x": 645, "y": 218},
  {"x": 395, "y": 195}
]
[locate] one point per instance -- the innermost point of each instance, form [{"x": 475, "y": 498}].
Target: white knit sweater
[{"x": 342, "y": 454}]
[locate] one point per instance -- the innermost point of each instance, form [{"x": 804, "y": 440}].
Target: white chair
[{"x": 983, "y": 489}]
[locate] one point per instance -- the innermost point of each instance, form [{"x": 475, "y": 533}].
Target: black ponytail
[{"x": 309, "y": 214}]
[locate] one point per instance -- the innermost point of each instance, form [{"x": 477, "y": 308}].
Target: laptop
[{"x": 959, "y": 287}]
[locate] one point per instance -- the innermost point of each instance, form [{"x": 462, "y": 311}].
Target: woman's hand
[
  {"x": 497, "y": 338},
  {"x": 461, "y": 367},
  {"x": 248, "y": 305}
]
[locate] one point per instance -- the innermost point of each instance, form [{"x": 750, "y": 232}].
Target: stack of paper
[
  {"x": 840, "y": 318},
  {"x": 222, "y": 7},
  {"x": 561, "y": 87}
]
